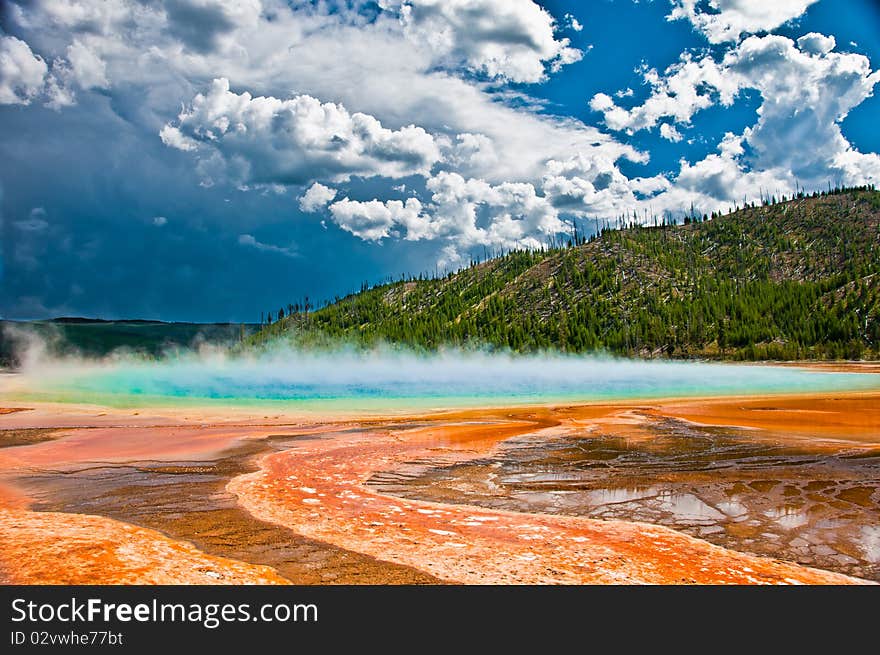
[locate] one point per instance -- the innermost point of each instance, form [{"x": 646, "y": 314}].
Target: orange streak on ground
[
  {"x": 318, "y": 490},
  {"x": 832, "y": 367},
  {"x": 854, "y": 418},
  {"x": 54, "y": 548},
  {"x": 61, "y": 548},
  {"x": 113, "y": 444},
  {"x": 11, "y": 498}
]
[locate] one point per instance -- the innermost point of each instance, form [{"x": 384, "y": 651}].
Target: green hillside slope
[{"x": 792, "y": 280}]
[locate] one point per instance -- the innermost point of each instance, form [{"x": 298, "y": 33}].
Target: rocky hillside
[{"x": 792, "y": 280}]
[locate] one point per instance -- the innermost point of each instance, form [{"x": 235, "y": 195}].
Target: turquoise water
[{"x": 378, "y": 381}]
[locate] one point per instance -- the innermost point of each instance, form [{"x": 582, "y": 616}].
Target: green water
[{"x": 387, "y": 381}]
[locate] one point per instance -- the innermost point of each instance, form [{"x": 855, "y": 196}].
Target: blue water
[{"x": 394, "y": 379}]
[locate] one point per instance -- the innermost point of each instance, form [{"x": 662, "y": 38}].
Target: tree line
[{"x": 784, "y": 278}]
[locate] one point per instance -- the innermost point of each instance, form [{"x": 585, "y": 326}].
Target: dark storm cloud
[
  {"x": 79, "y": 234},
  {"x": 100, "y": 216},
  {"x": 197, "y": 26}
]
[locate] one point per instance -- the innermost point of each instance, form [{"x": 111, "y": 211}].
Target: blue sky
[{"x": 212, "y": 159}]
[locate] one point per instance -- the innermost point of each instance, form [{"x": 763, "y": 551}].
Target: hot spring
[{"x": 381, "y": 380}]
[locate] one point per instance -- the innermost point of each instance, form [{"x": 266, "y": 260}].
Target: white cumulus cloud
[
  {"x": 511, "y": 39},
  {"x": 670, "y": 133},
  {"x": 816, "y": 44},
  {"x": 292, "y": 141},
  {"x": 806, "y": 90},
  {"x": 573, "y": 23},
  {"x": 475, "y": 212},
  {"x": 316, "y": 197},
  {"x": 174, "y": 138},
  {"x": 87, "y": 68},
  {"x": 22, "y": 73},
  {"x": 684, "y": 88},
  {"x": 462, "y": 213},
  {"x": 418, "y": 99},
  {"x": 727, "y": 20},
  {"x": 374, "y": 220}
]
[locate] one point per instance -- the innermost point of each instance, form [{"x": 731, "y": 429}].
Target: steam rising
[{"x": 387, "y": 377}]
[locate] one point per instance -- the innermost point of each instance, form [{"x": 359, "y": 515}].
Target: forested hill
[{"x": 791, "y": 280}]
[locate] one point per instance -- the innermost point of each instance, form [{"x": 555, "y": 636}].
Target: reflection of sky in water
[
  {"x": 733, "y": 507},
  {"x": 684, "y": 507},
  {"x": 788, "y": 517},
  {"x": 614, "y": 496},
  {"x": 817, "y": 507},
  {"x": 452, "y": 378},
  {"x": 688, "y": 508},
  {"x": 871, "y": 543}
]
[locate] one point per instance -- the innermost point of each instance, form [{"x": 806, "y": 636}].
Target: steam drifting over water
[{"x": 386, "y": 378}]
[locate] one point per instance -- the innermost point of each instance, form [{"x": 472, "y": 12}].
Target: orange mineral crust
[
  {"x": 309, "y": 476},
  {"x": 125, "y": 444},
  {"x": 847, "y": 417},
  {"x": 318, "y": 490},
  {"x": 51, "y": 548}
]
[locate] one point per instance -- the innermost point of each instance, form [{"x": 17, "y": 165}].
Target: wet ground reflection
[
  {"x": 816, "y": 508},
  {"x": 188, "y": 500}
]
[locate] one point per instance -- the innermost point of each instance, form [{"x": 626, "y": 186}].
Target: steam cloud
[{"x": 382, "y": 376}]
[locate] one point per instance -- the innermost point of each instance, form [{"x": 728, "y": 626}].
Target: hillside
[{"x": 792, "y": 280}]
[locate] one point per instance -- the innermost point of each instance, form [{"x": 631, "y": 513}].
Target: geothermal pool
[
  {"x": 384, "y": 381},
  {"x": 352, "y": 480}
]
